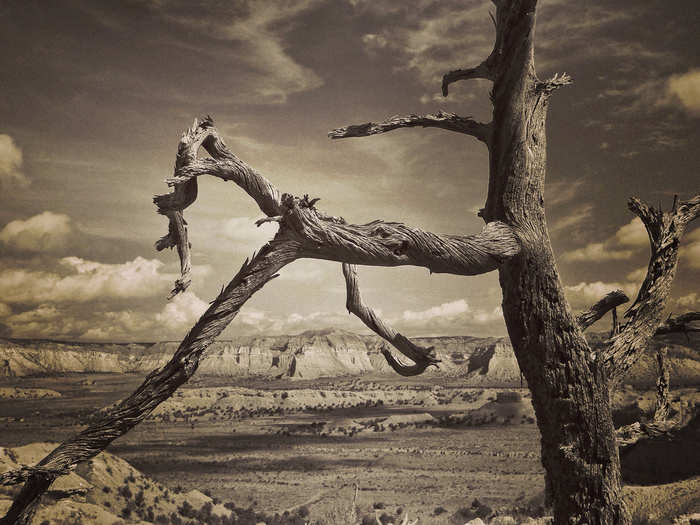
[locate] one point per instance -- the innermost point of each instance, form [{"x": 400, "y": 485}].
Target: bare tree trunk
[
  {"x": 569, "y": 381},
  {"x": 662, "y": 408}
]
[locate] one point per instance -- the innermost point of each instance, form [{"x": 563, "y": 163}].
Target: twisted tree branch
[
  {"x": 599, "y": 309},
  {"x": 422, "y": 356},
  {"x": 643, "y": 318},
  {"x": 448, "y": 121},
  {"x": 679, "y": 324},
  {"x": 157, "y": 387}
]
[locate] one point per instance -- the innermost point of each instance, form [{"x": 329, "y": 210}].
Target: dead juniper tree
[{"x": 569, "y": 380}]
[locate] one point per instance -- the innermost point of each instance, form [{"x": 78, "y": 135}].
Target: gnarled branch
[
  {"x": 423, "y": 357},
  {"x": 599, "y": 309},
  {"x": 448, "y": 121},
  {"x": 483, "y": 70},
  {"x": 643, "y": 318},
  {"x": 679, "y": 324},
  {"x": 157, "y": 387},
  {"x": 378, "y": 243}
]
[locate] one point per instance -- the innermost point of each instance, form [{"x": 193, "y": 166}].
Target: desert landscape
[{"x": 309, "y": 428}]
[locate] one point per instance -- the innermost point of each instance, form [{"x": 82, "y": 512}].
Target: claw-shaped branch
[
  {"x": 448, "y": 121},
  {"x": 423, "y": 357},
  {"x": 643, "y": 318},
  {"x": 599, "y": 309},
  {"x": 557, "y": 81}
]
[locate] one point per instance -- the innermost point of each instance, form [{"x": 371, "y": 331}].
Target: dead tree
[
  {"x": 569, "y": 381},
  {"x": 662, "y": 407}
]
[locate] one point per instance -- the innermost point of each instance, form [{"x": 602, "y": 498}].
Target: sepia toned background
[{"x": 95, "y": 96}]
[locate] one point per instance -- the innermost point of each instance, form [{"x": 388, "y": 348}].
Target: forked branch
[
  {"x": 643, "y": 318},
  {"x": 448, "y": 121},
  {"x": 423, "y": 357}
]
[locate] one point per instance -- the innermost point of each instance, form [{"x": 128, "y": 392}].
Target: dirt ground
[{"x": 402, "y": 457}]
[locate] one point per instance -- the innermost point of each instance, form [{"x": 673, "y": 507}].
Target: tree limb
[
  {"x": 483, "y": 70},
  {"x": 422, "y": 356},
  {"x": 643, "y": 318},
  {"x": 157, "y": 387},
  {"x": 599, "y": 309},
  {"x": 443, "y": 120},
  {"x": 679, "y": 324},
  {"x": 378, "y": 243}
]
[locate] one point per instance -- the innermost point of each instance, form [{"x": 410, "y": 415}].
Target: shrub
[{"x": 439, "y": 510}]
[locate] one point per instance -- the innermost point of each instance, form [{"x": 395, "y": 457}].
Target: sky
[{"x": 95, "y": 95}]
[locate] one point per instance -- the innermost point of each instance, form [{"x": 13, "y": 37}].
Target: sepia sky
[{"x": 95, "y": 95}]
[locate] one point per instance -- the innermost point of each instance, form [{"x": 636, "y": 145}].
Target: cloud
[
  {"x": 597, "y": 252},
  {"x": 182, "y": 311},
  {"x": 244, "y": 233},
  {"x": 573, "y": 219},
  {"x": 685, "y": 88},
  {"x": 85, "y": 281},
  {"x": 264, "y": 67},
  {"x": 11, "y": 163},
  {"x": 444, "y": 310},
  {"x": 5, "y": 310},
  {"x": 626, "y": 241},
  {"x": 74, "y": 321},
  {"x": 47, "y": 231},
  {"x": 690, "y": 249},
  {"x": 689, "y": 300},
  {"x": 633, "y": 234},
  {"x": 583, "y": 294}
]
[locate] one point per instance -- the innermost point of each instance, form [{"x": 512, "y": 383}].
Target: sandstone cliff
[{"x": 322, "y": 353}]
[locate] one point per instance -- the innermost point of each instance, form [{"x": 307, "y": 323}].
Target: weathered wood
[
  {"x": 662, "y": 407},
  {"x": 157, "y": 387},
  {"x": 448, "y": 121},
  {"x": 643, "y": 318},
  {"x": 599, "y": 309},
  {"x": 569, "y": 383},
  {"x": 422, "y": 357}
]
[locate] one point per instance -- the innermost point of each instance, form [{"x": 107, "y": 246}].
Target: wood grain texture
[
  {"x": 421, "y": 356},
  {"x": 599, "y": 309},
  {"x": 644, "y": 318},
  {"x": 441, "y": 119},
  {"x": 158, "y": 386}
]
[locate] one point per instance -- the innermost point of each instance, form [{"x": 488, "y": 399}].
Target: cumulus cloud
[
  {"x": 75, "y": 321},
  {"x": 690, "y": 249},
  {"x": 597, "y": 251},
  {"x": 626, "y": 241},
  {"x": 685, "y": 88},
  {"x": 584, "y": 294},
  {"x": 243, "y": 232},
  {"x": 85, "y": 281},
  {"x": 633, "y": 234},
  {"x": 44, "y": 232},
  {"x": 689, "y": 300},
  {"x": 450, "y": 309},
  {"x": 181, "y": 311},
  {"x": 11, "y": 163}
]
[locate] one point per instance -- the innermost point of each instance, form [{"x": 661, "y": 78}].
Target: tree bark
[
  {"x": 662, "y": 408},
  {"x": 569, "y": 387}
]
